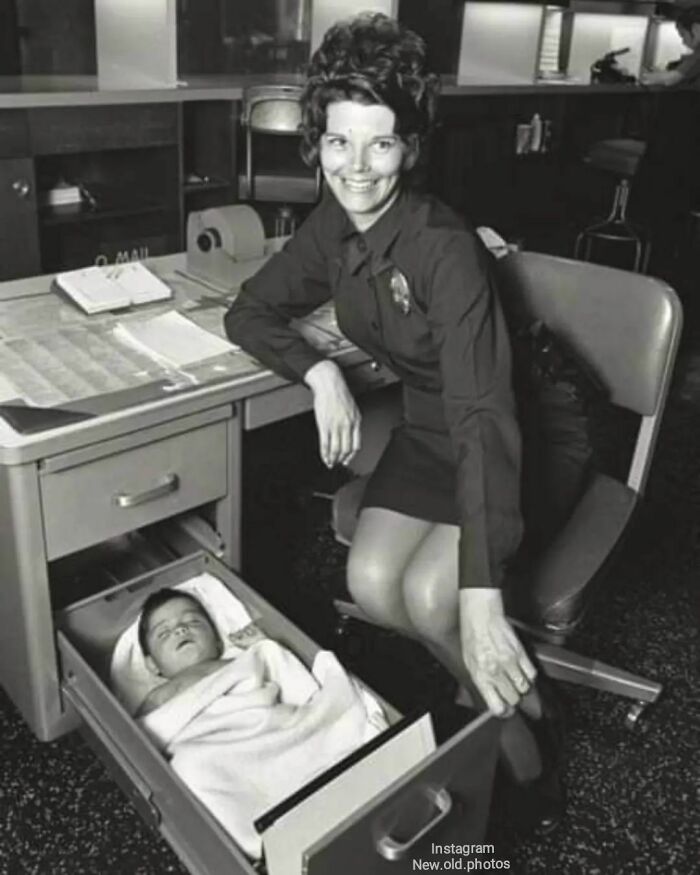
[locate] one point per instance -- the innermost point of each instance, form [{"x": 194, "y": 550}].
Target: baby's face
[{"x": 179, "y": 636}]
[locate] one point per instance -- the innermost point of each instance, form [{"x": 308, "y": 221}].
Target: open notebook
[{"x": 99, "y": 289}]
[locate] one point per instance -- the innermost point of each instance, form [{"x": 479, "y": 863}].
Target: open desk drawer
[{"x": 445, "y": 797}]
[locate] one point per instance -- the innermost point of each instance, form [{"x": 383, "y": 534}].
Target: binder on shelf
[{"x": 99, "y": 289}]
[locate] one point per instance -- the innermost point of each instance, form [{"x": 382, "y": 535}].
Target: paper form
[
  {"x": 172, "y": 339},
  {"x": 54, "y": 368}
]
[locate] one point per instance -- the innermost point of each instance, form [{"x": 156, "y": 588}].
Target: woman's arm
[
  {"x": 291, "y": 284},
  {"x": 475, "y": 363}
]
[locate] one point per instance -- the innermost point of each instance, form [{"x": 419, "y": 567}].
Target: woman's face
[{"x": 362, "y": 159}]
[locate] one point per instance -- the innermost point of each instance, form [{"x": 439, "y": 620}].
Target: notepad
[
  {"x": 99, "y": 289},
  {"x": 172, "y": 339}
]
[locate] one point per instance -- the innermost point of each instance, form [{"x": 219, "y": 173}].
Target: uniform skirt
[{"x": 417, "y": 472}]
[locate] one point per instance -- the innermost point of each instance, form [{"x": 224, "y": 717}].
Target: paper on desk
[{"x": 173, "y": 339}]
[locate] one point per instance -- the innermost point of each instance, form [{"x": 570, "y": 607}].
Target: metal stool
[{"x": 620, "y": 157}]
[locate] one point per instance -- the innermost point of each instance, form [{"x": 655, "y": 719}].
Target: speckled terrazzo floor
[{"x": 634, "y": 798}]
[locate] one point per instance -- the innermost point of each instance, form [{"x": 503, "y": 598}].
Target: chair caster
[{"x": 635, "y": 712}]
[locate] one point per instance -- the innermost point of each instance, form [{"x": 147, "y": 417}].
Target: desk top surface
[{"x": 35, "y": 321}]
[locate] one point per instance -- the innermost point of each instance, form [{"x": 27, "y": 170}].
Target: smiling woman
[
  {"x": 412, "y": 285},
  {"x": 362, "y": 159}
]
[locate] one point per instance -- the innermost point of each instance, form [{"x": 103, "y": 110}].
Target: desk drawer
[
  {"x": 109, "y": 496},
  {"x": 447, "y": 793},
  {"x": 293, "y": 399}
]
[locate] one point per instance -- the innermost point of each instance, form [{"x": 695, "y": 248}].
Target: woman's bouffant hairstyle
[{"x": 369, "y": 59}]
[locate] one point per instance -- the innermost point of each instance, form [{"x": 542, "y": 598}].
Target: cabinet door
[{"x": 19, "y": 238}]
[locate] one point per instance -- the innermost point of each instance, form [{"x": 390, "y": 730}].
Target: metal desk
[{"x": 67, "y": 488}]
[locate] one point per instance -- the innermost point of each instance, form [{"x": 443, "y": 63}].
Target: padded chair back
[
  {"x": 626, "y": 326},
  {"x": 276, "y": 110}
]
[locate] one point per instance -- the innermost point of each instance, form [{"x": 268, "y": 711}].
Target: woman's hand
[
  {"x": 495, "y": 658},
  {"x": 337, "y": 415}
]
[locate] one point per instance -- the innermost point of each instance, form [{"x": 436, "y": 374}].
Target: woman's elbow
[{"x": 234, "y": 323}]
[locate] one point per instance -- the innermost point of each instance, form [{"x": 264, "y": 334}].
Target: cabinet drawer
[
  {"x": 447, "y": 794},
  {"x": 109, "y": 496},
  {"x": 55, "y": 130},
  {"x": 295, "y": 398}
]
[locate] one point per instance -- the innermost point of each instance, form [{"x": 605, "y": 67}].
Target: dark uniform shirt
[{"x": 452, "y": 343}]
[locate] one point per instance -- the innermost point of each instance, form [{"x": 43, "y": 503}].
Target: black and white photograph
[{"x": 349, "y": 437}]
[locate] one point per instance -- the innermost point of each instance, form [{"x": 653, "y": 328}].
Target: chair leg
[{"x": 564, "y": 665}]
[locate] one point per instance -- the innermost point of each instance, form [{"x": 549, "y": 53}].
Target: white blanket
[{"x": 252, "y": 733}]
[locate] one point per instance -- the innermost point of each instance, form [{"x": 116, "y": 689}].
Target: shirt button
[
  {"x": 361, "y": 245},
  {"x": 375, "y": 325}
]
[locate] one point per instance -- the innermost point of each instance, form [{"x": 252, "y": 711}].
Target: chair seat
[
  {"x": 620, "y": 157},
  {"x": 346, "y": 508},
  {"x": 554, "y": 591}
]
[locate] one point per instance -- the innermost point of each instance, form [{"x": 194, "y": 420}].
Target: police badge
[{"x": 400, "y": 291}]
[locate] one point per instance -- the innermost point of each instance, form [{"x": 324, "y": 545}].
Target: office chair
[
  {"x": 627, "y": 327},
  {"x": 275, "y": 110}
]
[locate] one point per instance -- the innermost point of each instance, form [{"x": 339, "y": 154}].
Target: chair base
[{"x": 563, "y": 665}]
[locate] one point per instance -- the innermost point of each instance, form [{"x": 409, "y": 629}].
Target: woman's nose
[{"x": 359, "y": 158}]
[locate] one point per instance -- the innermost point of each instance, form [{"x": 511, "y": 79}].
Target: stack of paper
[{"x": 172, "y": 340}]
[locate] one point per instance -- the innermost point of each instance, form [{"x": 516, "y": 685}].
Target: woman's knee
[
  {"x": 374, "y": 583},
  {"x": 431, "y": 602}
]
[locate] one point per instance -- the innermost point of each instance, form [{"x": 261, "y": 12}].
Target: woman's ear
[{"x": 411, "y": 153}]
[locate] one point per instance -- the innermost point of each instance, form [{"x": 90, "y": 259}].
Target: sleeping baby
[
  {"x": 179, "y": 643},
  {"x": 243, "y": 722}
]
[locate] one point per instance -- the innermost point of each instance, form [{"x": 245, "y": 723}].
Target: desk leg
[
  {"x": 28, "y": 667},
  {"x": 228, "y": 510}
]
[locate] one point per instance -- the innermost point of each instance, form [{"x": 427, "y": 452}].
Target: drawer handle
[
  {"x": 392, "y": 850},
  {"x": 169, "y": 483}
]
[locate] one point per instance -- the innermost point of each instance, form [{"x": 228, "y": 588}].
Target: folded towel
[{"x": 132, "y": 680}]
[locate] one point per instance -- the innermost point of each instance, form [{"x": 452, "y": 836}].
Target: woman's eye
[
  {"x": 384, "y": 145},
  {"x": 336, "y": 142}
]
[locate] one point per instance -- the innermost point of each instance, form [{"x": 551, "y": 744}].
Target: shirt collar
[{"x": 376, "y": 241}]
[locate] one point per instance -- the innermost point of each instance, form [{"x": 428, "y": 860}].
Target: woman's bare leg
[
  {"x": 382, "y": 547},
  {"x": 431, "y": 596}
]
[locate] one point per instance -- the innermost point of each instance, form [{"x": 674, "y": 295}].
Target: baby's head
[{"x": 176, "y": 632}]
